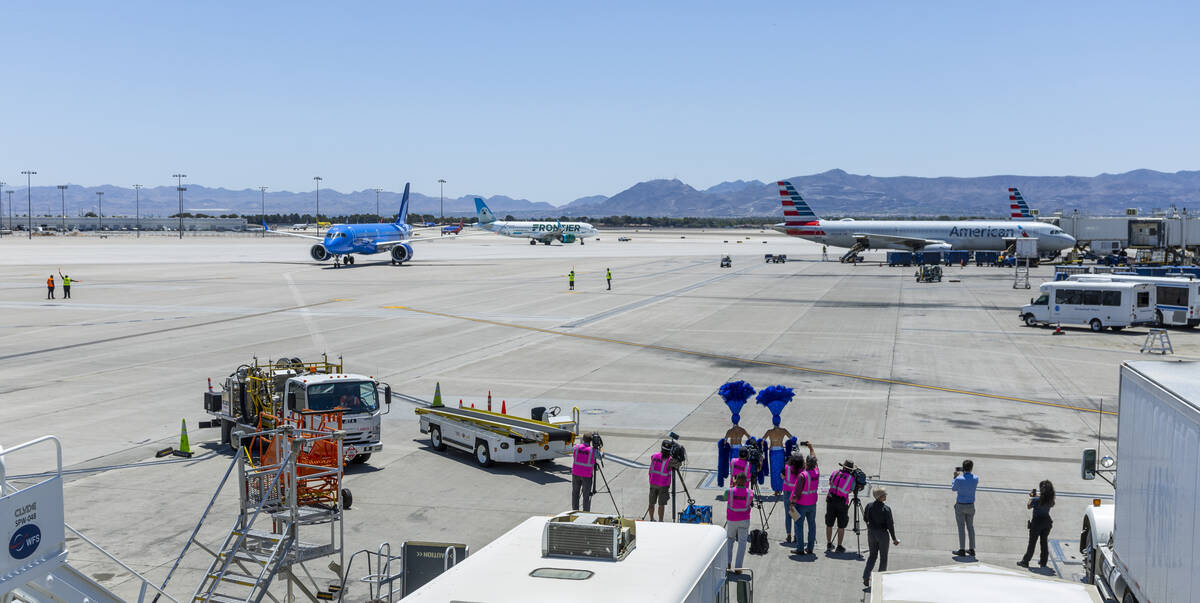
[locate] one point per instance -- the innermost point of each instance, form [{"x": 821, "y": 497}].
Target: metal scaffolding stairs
[
  {"x": 1021, "y": 274},
  {"x": 852, "y": 254}
]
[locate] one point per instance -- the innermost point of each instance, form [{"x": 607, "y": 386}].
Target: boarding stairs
[
  {"x": 1021, "y": 274},
  {"x": 277, "y": 504},
  {"x": 851, "y": 256}
]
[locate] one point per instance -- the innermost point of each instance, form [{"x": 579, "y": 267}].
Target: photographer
[
  {"x": 791, "y": 475},
  {"x": 837, "y": 504},
  {"x": 965, "y": 483},
  {"x": 661, "y": 465},
  {"x": 739, "y": 500},
  {"x": 583, "y": 467},
  {"x": 744, "y": 464},
  {"x": 805, "y": 499},
  {"x": 1040, "y": 501}
]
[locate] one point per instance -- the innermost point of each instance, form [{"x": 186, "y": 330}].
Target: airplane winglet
[{"x": 265, "y": 227}]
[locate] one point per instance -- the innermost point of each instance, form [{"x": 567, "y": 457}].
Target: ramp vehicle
[
  {"x": 257, "y": 396},
  {"x": 1176, "y": 298},
  {"x": 726, "y": 262},
  {"x": 1093, "y": 303},
  {"x": 1142, "y": 546},
  {"x": 497, "y": 437},
  {"x": 586, "y": 558},
  {"x": 929, "y": 274}
]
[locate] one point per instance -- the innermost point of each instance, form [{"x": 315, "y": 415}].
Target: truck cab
[{"x": 362, "y": 400}]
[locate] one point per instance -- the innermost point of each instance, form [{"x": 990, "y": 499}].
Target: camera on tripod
[
  {"x": 673, "y": 449},
  {"x": 860, "y": 479},
  {"x": 754, "y": 455},
  {"x": 597, "y": 441}
]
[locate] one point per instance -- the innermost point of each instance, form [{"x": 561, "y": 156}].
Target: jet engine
[
  {"x": 402, "y": 253},
  {"x": 937, "y": 247},
  {"x": 319, "y": 253},
  {"x": 567, "y": 238}
]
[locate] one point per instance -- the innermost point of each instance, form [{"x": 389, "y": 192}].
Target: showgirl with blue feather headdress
[
  {"x": 735, "y": 394},
  {"x": 778, "y": 442}
]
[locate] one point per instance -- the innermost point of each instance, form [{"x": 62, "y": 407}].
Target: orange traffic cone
[
  {"x": 472, "y": 405},
  {"x": 1058, "y": 329},
  {"x": 460, "y": 402},
  {"x": 210, "y": 384},
  {"x": 503, "y": 408}
]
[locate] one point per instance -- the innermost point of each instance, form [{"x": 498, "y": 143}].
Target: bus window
[
  {"x": 1068, "y": 297},
  {"x": 1112, "y": 298},
  {"x": 1172, "y": 296},
  {"x": 1143, "y": 299},
  {"x": 1042, "y": 300},
  {"x": 1091, "y": 297}
]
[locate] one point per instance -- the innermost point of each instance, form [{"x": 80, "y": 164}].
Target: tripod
[
  {"x": 607, "y": 488},
  {"x": 857, "y": 504}
]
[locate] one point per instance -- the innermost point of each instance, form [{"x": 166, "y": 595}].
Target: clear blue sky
[{"x": 555, "y": 100}]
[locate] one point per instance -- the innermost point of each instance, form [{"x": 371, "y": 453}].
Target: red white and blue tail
[
  {"x": 799, "y": 218},
  {"x": 1016, "y": 203}
]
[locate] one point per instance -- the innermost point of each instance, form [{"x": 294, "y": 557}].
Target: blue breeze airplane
[
  {"x": 914, "y": 235},
  {"x": 546, "y": 232},
  {"x": 342, "y": 240}
]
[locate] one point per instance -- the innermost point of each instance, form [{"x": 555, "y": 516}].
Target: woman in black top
[{"x": 1039, "y": 525}]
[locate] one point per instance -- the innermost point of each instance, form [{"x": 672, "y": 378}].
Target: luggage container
[
  {"x": 987, "y": 258},
  {"x": 956, "y": 257},
  {"x": 900, "y": 258}
]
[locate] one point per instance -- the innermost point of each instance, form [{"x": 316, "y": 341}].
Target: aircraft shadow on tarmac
[{"x": 541, "y": 473}]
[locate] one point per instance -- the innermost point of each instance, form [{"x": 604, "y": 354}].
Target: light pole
[
  {"x": 100, "y": 204},
  {"x": 137, "y": 208},
  {"x": 378, "y": 216},
  {"x": 179, "y": 187},
  {"x": 263, "y": 191},
  {"x": 442, "y": 197},
  {"x": 29, "y": 174},
  {"x": 63, "y": 193},
  {"x": 2, "y": 183},
  {"x": 318, "y": 179}
]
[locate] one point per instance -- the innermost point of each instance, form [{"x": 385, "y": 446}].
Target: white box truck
[
  {"x": 1144, "y": 547},
  {"x": 1099, "y": 304}
]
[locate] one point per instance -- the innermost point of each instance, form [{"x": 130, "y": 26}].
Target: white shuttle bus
[
  {"x": 585, "y": 558},
  {"x": 1176, "y": 300},
  {"x": 1098, "y": 304}
]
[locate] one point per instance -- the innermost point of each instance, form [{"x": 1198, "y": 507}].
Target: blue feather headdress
[
  {"x": 775, "y": 398},
  {"x": 735, "y": 394}
]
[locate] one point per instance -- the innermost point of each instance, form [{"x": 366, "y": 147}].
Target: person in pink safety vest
[
  {"x": 738, "y": 501},
  {"x": 583, "y": 466},
  {"x": 742, "y": 465},
  {"x": 805, "y": 498},
  {"x": 660, "y": 481},
  {"x": 791, "y": 475},
  {"x": 837, "y": 504}
]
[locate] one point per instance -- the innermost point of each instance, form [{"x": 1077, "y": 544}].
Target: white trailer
[
  {"x": 495, "y": 437},
  {"x": 650, "y": 561},
  {"x": 1098, "y": 304},
  {"x": 1145, "y": 546}
]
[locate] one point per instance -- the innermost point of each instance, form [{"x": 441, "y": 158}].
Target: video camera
[
  {"x": 754, "y": 455},
  {"x": 597, "y": 441},
  {"x": 860, "y": 479},
  {"x": 673, "y": 449}
]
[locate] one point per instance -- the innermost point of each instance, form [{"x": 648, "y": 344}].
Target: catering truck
[
  {"x": 1142, "y": 548},
  {"x": 585, "y": 558},
  {"x": 257, "y": 392}
]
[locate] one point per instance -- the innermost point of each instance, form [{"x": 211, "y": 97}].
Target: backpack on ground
[{"x": 759, "y": 545}]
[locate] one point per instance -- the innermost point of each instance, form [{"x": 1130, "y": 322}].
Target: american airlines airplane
[
  {"x": 914, "y": 235},
  {"x": 546, "y": 232}
]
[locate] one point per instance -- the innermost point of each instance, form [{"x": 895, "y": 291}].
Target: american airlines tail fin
[
  {"x": 796, "y": 211},
  {"x": 402, "y": 216},
  {"x": 1020, "y": 209},
  {"x": 481, "y": 210}
]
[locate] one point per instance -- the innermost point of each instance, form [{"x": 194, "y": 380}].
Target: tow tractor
[
  {"x": 256, "y": 394},
  {"x": 493, "y": 436}
]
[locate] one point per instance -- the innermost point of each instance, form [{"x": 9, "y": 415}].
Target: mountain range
[{"x": 833, "y": 193}]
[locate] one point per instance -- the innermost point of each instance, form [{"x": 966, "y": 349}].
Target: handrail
[
  {"x": 236, "y": 457},
  {"x": 145, "y": 581},
  {"x": 449, "y": 559},
  {"x": 6, "y": 451}
]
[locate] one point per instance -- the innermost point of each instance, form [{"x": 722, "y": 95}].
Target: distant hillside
[{"x": 831, "y": 193}]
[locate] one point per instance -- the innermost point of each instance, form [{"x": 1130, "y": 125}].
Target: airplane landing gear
[
  {"x": 533, "y": 241},
  {"x": 337, "y": 261},
  {"x": 349, "y": 260}
]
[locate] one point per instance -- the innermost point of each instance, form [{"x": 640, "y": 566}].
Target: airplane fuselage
[
  {"x": 345, "y": 239},
  {"x": 540, "y": 230},
  {"x": 971, "y": 235}
]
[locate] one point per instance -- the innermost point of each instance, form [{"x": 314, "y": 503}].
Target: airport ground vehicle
[
  {"x": 1096, "y": 304},
  {"x": 987, "y": 258},
  {"x": 771, "y": 258},
  {"x": 624, "y": 239},
  {"x": 899, "y": 258},
  {"x": 256, "y": 394},
  {"x": 929, "y": 274},
  {"x": 586, "y": 558},
  {"x": 1176, "y": 300},
  {"x": 1142, "y": 546},
  {"x": 726, "y": 262},
  {"x": 956, "y": 258},
  {"x": 495, "y": 437},
  {"x": 927, "y": 257}
]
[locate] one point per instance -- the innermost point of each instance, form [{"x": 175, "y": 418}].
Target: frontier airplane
[
  {"x": 913, "y": 235},
  {"x": 546, "y": 232}
]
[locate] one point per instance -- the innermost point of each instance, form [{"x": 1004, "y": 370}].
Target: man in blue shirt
[{"x": 965, "y": 484}]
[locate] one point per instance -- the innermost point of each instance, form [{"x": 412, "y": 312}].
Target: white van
[
  {"x": 1096, "y": 303},
  {"x": 1176, "y": 299}
]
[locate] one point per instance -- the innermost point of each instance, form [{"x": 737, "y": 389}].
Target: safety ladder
[
  {"x": 1021, "y": 274},
  {"x": 1157, "y": 342},
  {"x": 851, "y": 256}
]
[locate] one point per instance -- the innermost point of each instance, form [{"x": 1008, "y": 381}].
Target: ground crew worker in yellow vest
[
  {"x": 608, "y": 277},
  {"x": 50, "y": 287},
  {"x": 571, "y": 279},
  {"x": 66, "y": 280}
]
